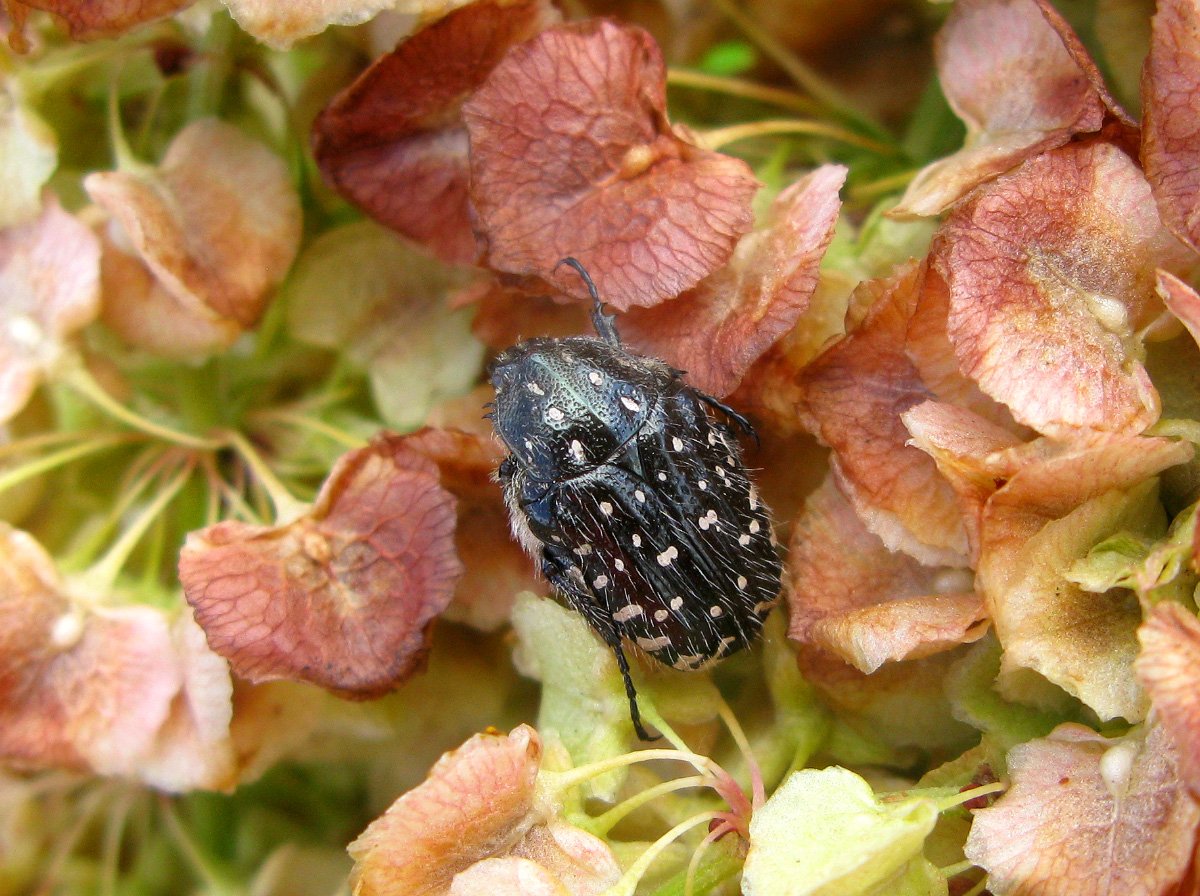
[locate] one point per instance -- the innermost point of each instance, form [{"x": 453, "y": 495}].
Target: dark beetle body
[{"x": 634, "y": 500}]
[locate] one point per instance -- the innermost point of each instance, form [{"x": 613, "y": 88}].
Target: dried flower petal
[
  {"x": 342, "y": 597},
  {"x": 1088, "y": 816},
  {"x": 722, "y": 326},
  {"x": 853, "y": 597},
  {"x": 49, "y": 288},
  {"x": 476, "y": 803},
  {"x": 572, "y": 155},
  {"x": 392, "y": 142},
  {"x": 853, "y": 396},
  {"x": 1073, "y": 237},
  {"x": 1008, "y": 75},
  {"x": 1169, "y": 669},
  {"x": 218, "y": 222},
  {"x": 1182, "y": 300},
  {"x": 1058, "y": 502},
  {"x": 1171, "y": 135},
  {"x": 280, "y": 23},
  {"x": 79, "y": 690},
  {"x": 499, "y": 570},
  {"x": 94, "y": 19}
]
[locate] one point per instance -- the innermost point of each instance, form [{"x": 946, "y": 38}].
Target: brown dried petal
[
  {"x": 1050, "y": 272},
  {"x": 393, "y": 142},
  {"x": 1169, "y": 669},
  {"x": 104, "y": 18},
  {"x": 476, "y": 803},
  {"x": 572, "y": 155},
  {"x": 717, "y": 330},
  {"x": 1007, "y": 74},
  {"x": 853, "y": 396},
  {"x": 499, "y": 570},
  {"x": 853, "y": 597},
  {"x": 1087, "y": 816},
  {"x": 49, "y": 288},
  {"x": 344, "y": 596},
  {"x": 1171, "y": 119},
  {"x": 218, "y": 222}
]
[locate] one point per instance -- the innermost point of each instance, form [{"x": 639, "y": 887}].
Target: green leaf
[{"x": 825, "y": 833}]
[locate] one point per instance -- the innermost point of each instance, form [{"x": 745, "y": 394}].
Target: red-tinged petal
[
  {"x": 1050, "y": 272},
  {"x": 960, "y": 441},
  {"x": 49, "y": 288},
  {"x": 476, "y": 803},
  {"x": 1008, "y": 75},
  {"x": 344, "y": 596},
  {"x": 506, "y": 315},
  {"x": 94, "y": 19},
  {"x": 572, "y": 155},
  {"x": 1169, "y": 669},
  {"x": 1171, "y": 125},
  {"x": 1088, "y": 816},
  {"x": 580, "y": 862},
  {"x": 497, "y": 569},
  {"x": 506, "y": 875},
  {"x": 1182, "y": 300},
  {"x": 1058, "y": 502},
  {"x": 853, "y": 396},
  {"x": 218, "y": 222},
  {"x": 722, "y": 326},
  {"x": 853, "y": 597},
  {"x": 393, "y": 143}
]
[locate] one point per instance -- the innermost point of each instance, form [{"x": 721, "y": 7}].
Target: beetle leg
[
  {"x": 614, "y": 641},
  {"x": 718, "y": 405}
]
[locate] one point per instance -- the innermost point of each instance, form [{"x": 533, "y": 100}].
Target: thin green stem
[
  {"x": 602, "y": 824},
  {"x": 300, "y": 421},
  {"x": 979, "y": 887},
  {"x": 627, "y": 885},
  {"x": 967, "y": 795},
  {"x": 103, "y": 574},
  {"x": 758, "y": 792},
  {"x": 651, "y": 714},
  {"x": 721, "y": 137},
  {"x": 891, "y": 184},
  {"x": 44, "y": 464},
  {"x": 78, "y": 378},
  {"x": 565, "y": 780},
  {"x": 807, "y": 79},
  {"x": 114, "y": 832},
  {"x": 751, "y": 90},
  {"x": 203, "y": 868},
  {"x": 287, "y": 506},
  {"x": 956, "y": 869}
]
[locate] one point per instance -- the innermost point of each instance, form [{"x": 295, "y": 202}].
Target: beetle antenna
[{"x": 603, "y": 323}]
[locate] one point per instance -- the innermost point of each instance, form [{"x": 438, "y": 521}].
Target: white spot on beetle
[
  {"x": 637, "y": 540},
  {"x": 742, "y": 582},
  {"x": 584, "y": 549},
  {"x": 707, "y": 520},
  {"x": 595, "y": 378},
  {"x": 665, "y": 558},
  {"x": 577, "y": 450},
  {"x": 712, "y": 437},
  {"x": 677, "y": 443},
  {"x": 754, "y": 527},
  {"x": 606, "y": 508},
  {"x": 661, "y": 615},
  {"x": 619, "y": 564},
  {"x": 743, "y": 539},
  {"x": 627, "y": 612},
  {"x": 555, "y": 414},
  {"x": 630, "y": 404},
  {"x": 652, "y": 644},
  {"x": 640, "y": 495},
  {"x": 676, "y": 602},
  {"x": 715, "y": 611},
  {"x": 702, "y": 485},
  {"x": 753, "y": 498},
  {"x": 600, "y": 582},
  {"x": 662, "y": 477},
  {"x": 535, "y": 388}
]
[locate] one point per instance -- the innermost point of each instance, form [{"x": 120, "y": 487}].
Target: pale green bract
[{"x": 825, "y": 833}]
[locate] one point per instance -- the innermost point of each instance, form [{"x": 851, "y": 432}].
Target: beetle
[{"x": 627, "y": 487}]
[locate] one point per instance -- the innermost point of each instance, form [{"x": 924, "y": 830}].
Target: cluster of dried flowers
[{"x": 978, "y": 417}]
